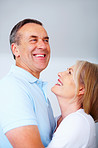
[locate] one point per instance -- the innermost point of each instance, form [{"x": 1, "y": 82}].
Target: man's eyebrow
[
  {"x": 34, "y": 36},
  {"x": 46, "y": 37}
]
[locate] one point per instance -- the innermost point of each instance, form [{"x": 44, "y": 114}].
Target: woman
[{"x": 77, "y": 94}]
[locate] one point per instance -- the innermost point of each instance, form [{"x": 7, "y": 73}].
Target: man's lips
[{"x": 39, "y": 55}]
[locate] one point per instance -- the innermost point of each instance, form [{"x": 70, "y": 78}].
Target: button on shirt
[{"x": 24, "y": 102}]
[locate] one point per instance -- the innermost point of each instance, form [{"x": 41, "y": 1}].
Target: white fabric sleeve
[{"x": 72, "y": 131}]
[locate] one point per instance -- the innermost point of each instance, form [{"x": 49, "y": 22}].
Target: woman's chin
[{"x": 53, "y": 89}]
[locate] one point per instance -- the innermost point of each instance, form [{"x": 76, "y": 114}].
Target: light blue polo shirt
[
  {"x": 4, "y": 142},
  {"x": 23, "y": 101}
]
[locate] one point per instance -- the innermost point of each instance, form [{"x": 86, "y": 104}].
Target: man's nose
[{"x": 41, "y": 44}]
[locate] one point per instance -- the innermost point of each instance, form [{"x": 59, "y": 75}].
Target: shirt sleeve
[
  {"x": 73, "y": 131},
  {"x": 16, "y": 107},
  {"x": 4, "y": 142}
]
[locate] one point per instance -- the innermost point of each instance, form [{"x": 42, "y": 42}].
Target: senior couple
[{"x": 26, "y": 117}]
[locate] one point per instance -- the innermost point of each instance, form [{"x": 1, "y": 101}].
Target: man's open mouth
[{"x": 39, "y": 55}]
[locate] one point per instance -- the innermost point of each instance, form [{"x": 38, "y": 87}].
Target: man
[{"x": 27, "y": 118}]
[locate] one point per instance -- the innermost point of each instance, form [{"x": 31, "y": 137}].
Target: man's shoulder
[{"x": 12, "y": 86}]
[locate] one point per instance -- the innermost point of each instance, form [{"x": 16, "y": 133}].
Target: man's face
[{"x": 33, "y": 51}]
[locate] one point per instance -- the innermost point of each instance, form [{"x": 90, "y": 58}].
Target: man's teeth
[{"x": 37, "y": 55}]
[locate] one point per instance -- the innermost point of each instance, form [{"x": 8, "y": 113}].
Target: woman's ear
[
  {"x": 81, "y": 90},
  {"x": 15, "y": 50}
]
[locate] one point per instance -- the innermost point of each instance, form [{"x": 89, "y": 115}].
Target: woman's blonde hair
[{"x": 86, "y": 73}]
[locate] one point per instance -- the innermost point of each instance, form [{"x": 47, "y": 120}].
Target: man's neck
[{"x": 34, "y": 73}]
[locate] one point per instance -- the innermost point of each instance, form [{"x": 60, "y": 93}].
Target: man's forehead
[
  {"x": 34, "y": 29},
  {"x": 32, "y": 26}
]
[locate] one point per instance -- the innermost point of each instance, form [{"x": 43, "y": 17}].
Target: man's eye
[
  {"x": 33, "y": 40},
  {"x": 46, "y": 40}
]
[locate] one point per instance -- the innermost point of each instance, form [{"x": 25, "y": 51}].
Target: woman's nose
[
  {"x": 62, "y": 73},
  {"x": 59, "y": 74}
]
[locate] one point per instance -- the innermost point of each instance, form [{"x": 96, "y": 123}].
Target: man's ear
[
  {"x": 15, "y": 50},
  {"x": 81, "y": 90}
]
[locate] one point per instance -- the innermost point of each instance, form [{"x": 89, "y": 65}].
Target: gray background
[{"x": 72, "y": 26}]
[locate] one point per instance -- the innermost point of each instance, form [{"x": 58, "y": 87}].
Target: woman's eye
[{"x": 69, "y": 72}]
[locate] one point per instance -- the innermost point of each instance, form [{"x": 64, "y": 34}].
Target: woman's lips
[{"x": 59, "y": 83}]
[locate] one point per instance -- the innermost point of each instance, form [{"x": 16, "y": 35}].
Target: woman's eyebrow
[{"x": 70, "y": 69}]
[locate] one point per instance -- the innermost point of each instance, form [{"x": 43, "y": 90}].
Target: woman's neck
[{"x": 67, "y": 107}]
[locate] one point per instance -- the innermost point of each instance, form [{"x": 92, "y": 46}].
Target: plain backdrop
[{"x": 72, "y": 26}]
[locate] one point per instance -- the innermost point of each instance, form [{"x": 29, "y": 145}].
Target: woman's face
[{"x": 65, "y": 86}]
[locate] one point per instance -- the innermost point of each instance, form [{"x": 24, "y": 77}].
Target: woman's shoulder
[
  {"x": 79, "y": 119},
  {"x": 77, "y": 125},
  {"x": 80, "y": 114},
  {"x": 84, "y": 117}
]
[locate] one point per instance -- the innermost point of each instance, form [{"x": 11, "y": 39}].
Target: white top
[{"x": 77, "y": 130}]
